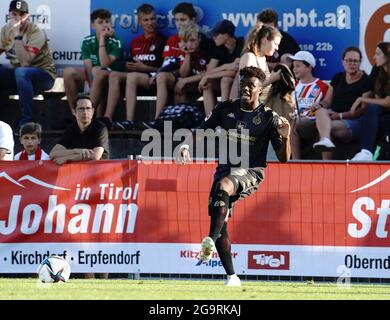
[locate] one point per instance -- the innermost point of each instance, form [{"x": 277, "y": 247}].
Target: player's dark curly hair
[{"x": 249, "y": 72}]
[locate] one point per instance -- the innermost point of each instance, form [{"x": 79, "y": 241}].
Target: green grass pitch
[{"x": 83, "y": 289}]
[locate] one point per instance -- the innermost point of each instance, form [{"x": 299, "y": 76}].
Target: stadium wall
[
  {"x": 325, "y": 28},
  {"x": 307, "y": 219}
]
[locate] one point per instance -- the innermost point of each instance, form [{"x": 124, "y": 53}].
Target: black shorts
[{"x": 245, "y": 181}]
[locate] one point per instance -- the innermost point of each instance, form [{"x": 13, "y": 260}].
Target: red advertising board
[
  {"x": 127, "y": 216},
  {"x": 126, "y": 201}
]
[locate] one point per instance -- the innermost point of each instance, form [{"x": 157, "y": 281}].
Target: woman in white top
[{"x": 262, "y": 41}]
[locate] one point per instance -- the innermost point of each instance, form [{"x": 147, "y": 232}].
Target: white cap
[{"x": 304, "y": 56}]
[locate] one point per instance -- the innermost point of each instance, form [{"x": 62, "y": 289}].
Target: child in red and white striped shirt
[{"x": 30, "y": 138}]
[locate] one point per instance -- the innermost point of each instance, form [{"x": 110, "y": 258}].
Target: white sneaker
[
  {"x": 324, "y": 145},
  {"x": 233, "y": 281},
  {"x": 208, "y": 247},
  {"x": 363, "y": 155}
]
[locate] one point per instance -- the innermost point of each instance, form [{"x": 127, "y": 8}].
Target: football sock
[
  {"x": 218, "y": 210},
  {"x": 224, "y": 249}
]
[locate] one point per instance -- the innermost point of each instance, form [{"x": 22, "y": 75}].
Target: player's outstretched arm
[{"x": 284, "y": 153}]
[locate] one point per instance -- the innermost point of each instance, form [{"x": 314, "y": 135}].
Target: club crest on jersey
[{"x": 256, "y": 120}]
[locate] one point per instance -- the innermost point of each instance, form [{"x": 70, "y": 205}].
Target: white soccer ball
[{"x": 54, "y": 269}]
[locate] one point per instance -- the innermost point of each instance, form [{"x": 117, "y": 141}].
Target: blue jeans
[
  {"x": 365, "y": 127},
  {"x": 26, "y": 82}
]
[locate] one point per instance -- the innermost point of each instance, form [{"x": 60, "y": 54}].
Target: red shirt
[
  {"x": 201, "y": 57},
  {"x": 172, "y": 48},
  {"x": 148, "y": 50}
]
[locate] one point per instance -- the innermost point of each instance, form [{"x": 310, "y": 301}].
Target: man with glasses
[{"x": 85, "y": 140}]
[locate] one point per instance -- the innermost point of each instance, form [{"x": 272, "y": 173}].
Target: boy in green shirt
[{"x": 101, "y": 53}]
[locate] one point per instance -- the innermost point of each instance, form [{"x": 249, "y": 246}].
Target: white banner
[
  {"x": 66, "y": 23},
  {"x": 319, "y": 261},
  {"x": 374, "y": 28}
]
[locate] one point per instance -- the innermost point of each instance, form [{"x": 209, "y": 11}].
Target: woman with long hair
[
  {"x": 262, "y": 41},
  {"x": 381, "y": 78}
]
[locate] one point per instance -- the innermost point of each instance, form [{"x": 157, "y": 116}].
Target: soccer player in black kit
[{"x": 233, "y": 182}]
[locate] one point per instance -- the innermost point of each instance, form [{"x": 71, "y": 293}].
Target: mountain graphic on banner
[{"x": 31, "y": 179}]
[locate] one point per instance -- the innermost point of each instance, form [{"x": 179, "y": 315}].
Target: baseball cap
[
  {"x": 19, "y": 5},
  {"x": 224, "y": 26},
  {"x": 304, "y": 56}
]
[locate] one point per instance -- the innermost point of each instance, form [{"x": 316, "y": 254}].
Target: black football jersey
[{"x": 260, "y": 129}]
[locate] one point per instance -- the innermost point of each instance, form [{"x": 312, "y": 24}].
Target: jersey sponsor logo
[{"x": 146, "y": 57}]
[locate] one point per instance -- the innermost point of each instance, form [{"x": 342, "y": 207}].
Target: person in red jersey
[
  {"x": 144, "y": 59},
  {"x": 198, "y": 50},
  {"x": 184, "y": 13}
]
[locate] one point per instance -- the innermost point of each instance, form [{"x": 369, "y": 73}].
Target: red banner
[{"x": 125, "y": 201}]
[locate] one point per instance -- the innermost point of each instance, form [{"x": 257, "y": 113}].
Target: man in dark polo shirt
[{"x": 85, "y": 140}]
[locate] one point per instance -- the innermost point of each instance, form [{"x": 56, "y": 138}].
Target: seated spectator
[
  {"x": 198, "y": 50},
  {"x": 87, "y": 139},
  {"x": 334, "y": 117},
  {"x": 381, "y": 99},
  {"x": 223, "y": 66},
  {"x": 288, "y": 46},
  {"x": 184, "y": 13},
  {"x": 6, "y": 142},
  {"x": 309, "y": 91},
  {"x": 144, "y": 60},
  {"x": 101, "y": 52},
  {"x": 30, "y": 135},
  {"x": 26, "y": 46}
]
